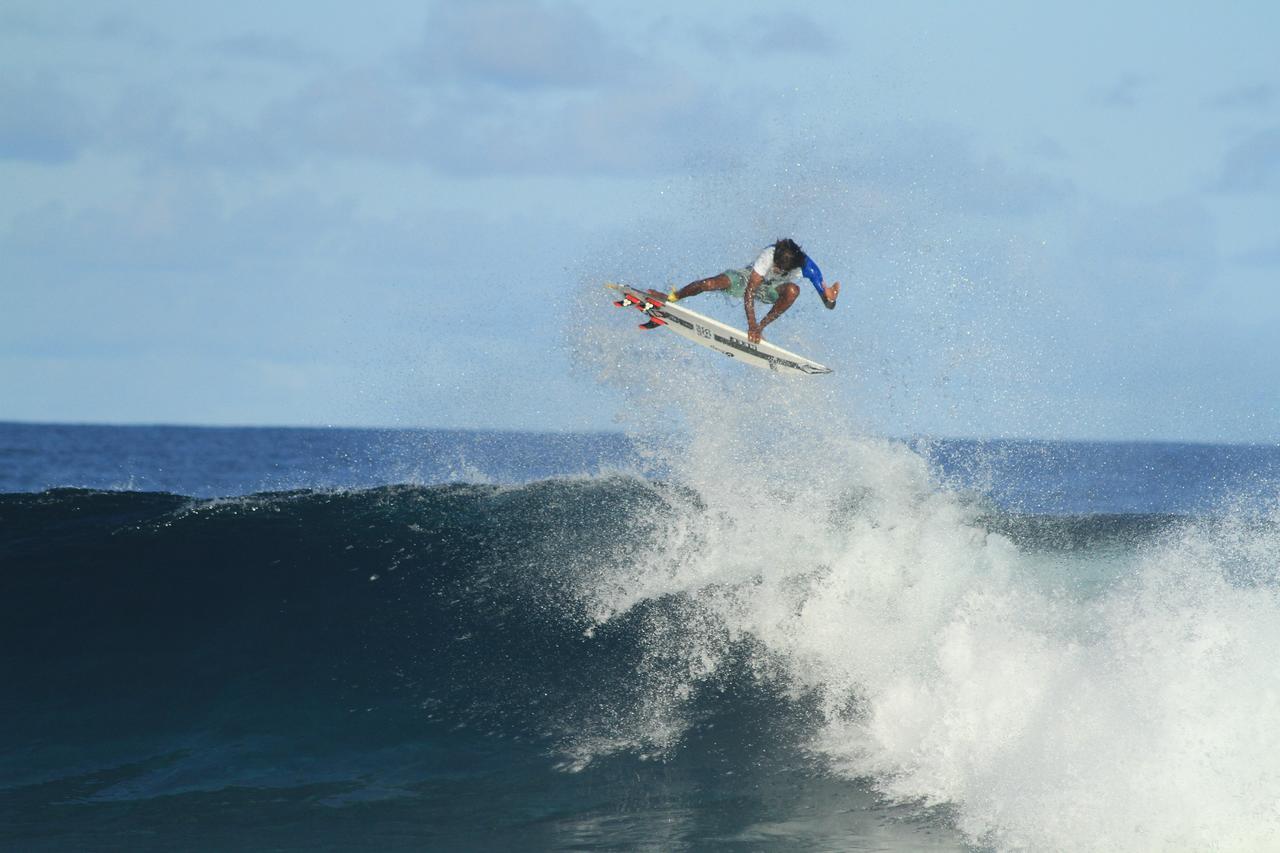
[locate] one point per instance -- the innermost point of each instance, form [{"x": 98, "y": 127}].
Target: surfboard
[{"x": 713, "y": 334}]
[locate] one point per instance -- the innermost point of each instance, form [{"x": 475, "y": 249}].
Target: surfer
[{"x": 769, "y": 279}]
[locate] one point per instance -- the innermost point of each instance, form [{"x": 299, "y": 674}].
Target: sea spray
[{"x": 944, "y": 666}]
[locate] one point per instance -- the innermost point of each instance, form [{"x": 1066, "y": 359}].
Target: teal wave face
[{"x": 453, "y": 648}]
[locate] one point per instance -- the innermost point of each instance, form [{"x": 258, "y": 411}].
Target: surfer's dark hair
[{"x": 787, "y": 254}]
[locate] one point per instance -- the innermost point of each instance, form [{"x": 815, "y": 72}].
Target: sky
[{"x": 1058, "y": 220}]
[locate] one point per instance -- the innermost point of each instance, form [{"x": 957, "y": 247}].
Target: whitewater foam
[{"x": 946, "y": 668}]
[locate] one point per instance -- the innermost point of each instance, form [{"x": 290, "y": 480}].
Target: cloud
[
  {"x": 172, "y": 225},
  {"x": 121, "y": 29},
  {"x": 1142, "y": 262},
  {"x": 1265, "y": 256},
  {"x": 1255, "y": 96},
  {"x": 509, "y": 88},
  {"x": 1253, "y": 165},
  {"x": 176, "y": 264},
  {"x": 784, "y": 32},
  {"x": 942, "y": 164},
  {"x": 16, "y": 22},
  {"x": 261, "y": 47},
  {"x": 516, "y": 88},
  {"x": 128, "y": 31},
  {"x": 764, "y": 34},
  {"x": 1138, "y": 289},
  {"x": 346, "y": 114},
  {"x": 1046, "y": 147},
  {"x": 657, "y": 125},
  {"x": 177, "y": 227},
  {"x": 1124, "y": 93},
  {"x": 516, "y": 44},
  {"x": 40, "y": 121},
  {"x": 503, "y": 87}
]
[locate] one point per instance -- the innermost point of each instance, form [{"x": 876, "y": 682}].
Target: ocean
[{"x": 761, "y": 629}]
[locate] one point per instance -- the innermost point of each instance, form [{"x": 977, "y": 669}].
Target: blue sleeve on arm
[{"x": 811, "y": 272}]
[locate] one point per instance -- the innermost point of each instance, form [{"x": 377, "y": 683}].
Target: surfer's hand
[
  {"x": 754, "y": 334},
  {"x": 830, "y": 294}
]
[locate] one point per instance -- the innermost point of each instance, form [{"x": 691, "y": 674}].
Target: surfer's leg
[
  {"x": 702, "y": 285},
  {"x": 787, "y": 294}
]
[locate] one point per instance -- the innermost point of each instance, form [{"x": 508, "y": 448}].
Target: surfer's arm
[
  {"x": 829, "y": 294},
  {"x": 749, "y": 303}
]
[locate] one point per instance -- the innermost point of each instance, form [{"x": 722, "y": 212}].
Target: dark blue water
[
  {"x": 346, "y": 639},
  {"x": 1022, "y": 475},
  {"x": 208, "y": 462},
  {"x": 1084, "y": 477}
]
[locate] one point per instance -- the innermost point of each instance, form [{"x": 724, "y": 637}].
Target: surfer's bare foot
[{"x": 755, "y": 335}]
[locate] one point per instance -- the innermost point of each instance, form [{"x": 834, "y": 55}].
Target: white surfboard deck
[{"x": 716, "y": 335}]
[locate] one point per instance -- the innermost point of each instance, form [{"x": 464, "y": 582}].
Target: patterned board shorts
[{"x": 766, "y": 292}]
